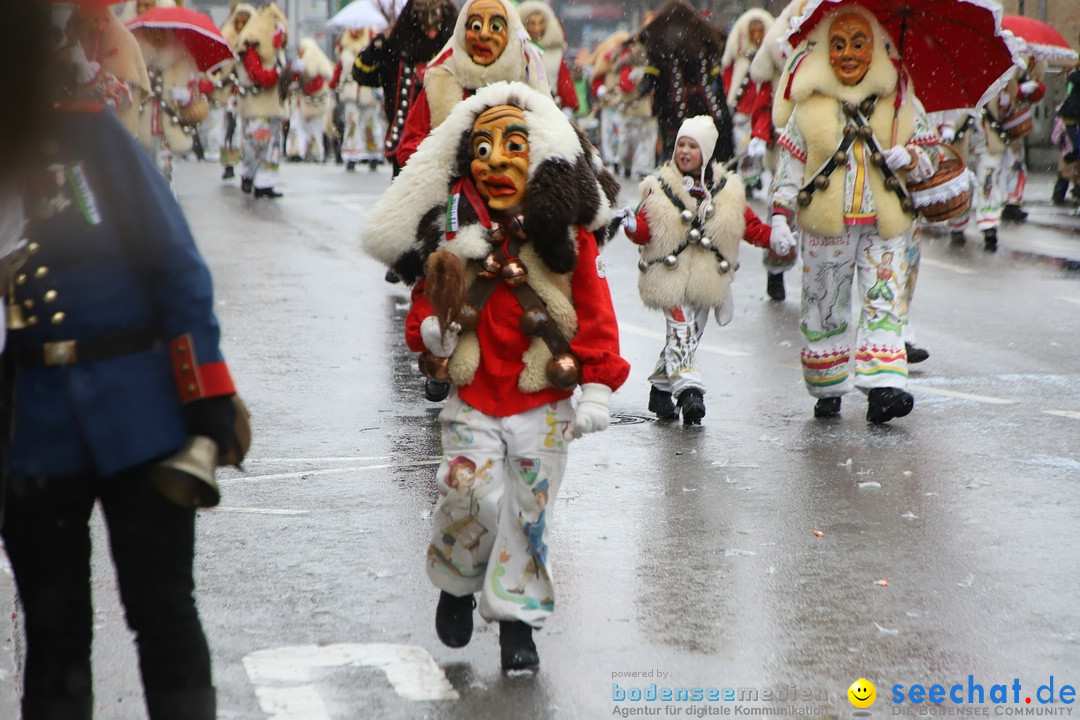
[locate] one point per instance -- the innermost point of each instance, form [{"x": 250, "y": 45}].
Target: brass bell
[
  {"x": 803, "y": 198},
  {"x": 867, "y": 106},
  {"x": 710, "y": 211},
  {"x": 821, "y": 182},
  {"x": 15, "y": 319},
  {"x": 706, "y": 242},
  {"x": 850, "y": 130},
  {"x": 866, "y": 132},
  {"x": 686, "y": 216},
  {"x": 187, "y": 478},
  {"x": 467, "y": 317},
  {"x": 891, "y": 183},
  {"x": 514, "y": 272},
  {"x": 489, "y": 266},
  {"x": 642, "y": 265},
  {"x": 725, "y": 266},
  {"x": 695, "y": 234},
  {"x": 840, "y": 157},
  {"x": 564, "y": 371},
  {"x": 878, "y": 159},
  {"x": 533, "y": 321},
  {"x": 907, "y": 205},
  {"x": 434, "y": 367},
  {"x": 671, "y": 261}
]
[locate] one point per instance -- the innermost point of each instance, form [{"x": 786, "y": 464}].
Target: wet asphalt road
[{"x": 751, "y": 552}]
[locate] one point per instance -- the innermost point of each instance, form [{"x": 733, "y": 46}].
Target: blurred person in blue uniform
[{"x": 112, "y": 362}]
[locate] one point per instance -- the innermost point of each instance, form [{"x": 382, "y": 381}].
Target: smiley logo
[{"x": 862, "y": 693}]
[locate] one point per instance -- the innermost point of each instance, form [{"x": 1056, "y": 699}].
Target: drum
[
  {"x": 194, "y": 112},
  {"x": 1017, "y": 125},
  {"x": 947, "y": 193}
]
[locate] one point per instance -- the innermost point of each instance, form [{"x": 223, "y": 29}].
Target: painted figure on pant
[
  {"x": 854, "y": 133},
  {"x": 498, "y": 209}
]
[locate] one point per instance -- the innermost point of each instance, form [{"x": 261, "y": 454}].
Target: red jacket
[
  {"x": 494, "y": 389},
  {"x": 746, "y": 102},
  {"x": 757, "y": 233}
]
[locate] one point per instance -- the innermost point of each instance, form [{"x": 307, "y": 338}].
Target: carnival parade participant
[
  {"x": 689, "y": 223},
  {"x": 487, "y": 46},
  {"x": 176, "y": 105},
  {"x": 1030, "y": 89},
  {"x": 224, "y": 134},
  {"x": 397, "y": 63},
  {"x": 743, "y": 43},
  {"x": 113, "y": 363},
  {"x": 363, "y": 125},
  {"x": 262, "y": 104},
  {"x": 516, "y": 311},
  {"x": 547, "y": 33},
  {"x": 640, "y": 130},
  {"x": 312, "y": 71},
  {"x": 608, "y": 98},
  {"x": 851, "y": 223},
  {"x": 684, "y": 73}
]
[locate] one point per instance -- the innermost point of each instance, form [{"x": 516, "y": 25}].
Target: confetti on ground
[
  {"x": 884, "y": 582},
  {"x": 818, "y": 533}
]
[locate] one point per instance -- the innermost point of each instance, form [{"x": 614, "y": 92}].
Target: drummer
[{"x": 833, "y": 180}]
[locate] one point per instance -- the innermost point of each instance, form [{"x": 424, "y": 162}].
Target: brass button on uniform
[
  {"x": 21, "y": 279},
  {"x": 58, "y": 318},
  {"x": 41, "y": 272},
  {"x": 31, "y": 321},
  {"x": 51, "y": 296},
  {"x": 28, "y": 304}
]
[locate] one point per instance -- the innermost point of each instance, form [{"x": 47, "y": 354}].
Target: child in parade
[{"x": 515, "y": 311}]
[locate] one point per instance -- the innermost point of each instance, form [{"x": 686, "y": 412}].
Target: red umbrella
[
  {"x": 954, "y": 50},
  {"x": 1041, "y": 41},
  {"x": 195, "y": 29}
]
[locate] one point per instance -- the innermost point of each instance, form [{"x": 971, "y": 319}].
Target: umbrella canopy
[
  {"x": 1041, "y": 41},
  {"x": 954, "y": 50},
  {"x": 194, "y": 29},
  {"x": 361, "y": 14}
]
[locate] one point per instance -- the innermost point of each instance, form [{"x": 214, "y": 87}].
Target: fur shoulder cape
[
  {"x": 568, "y": 187},
  {"x": 696, "y": 278}
]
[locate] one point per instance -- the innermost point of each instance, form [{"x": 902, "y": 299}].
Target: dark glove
[{"x": 215, "y": 418}]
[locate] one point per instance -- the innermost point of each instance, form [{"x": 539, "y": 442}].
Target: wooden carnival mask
[
  {"x": 486, "y": 31},
  {"x": 536, "y": 26},
  {"x": 851, "y": 46},
  {"x": 500, "y": 152},
  {"x": 755, "y": 33}
]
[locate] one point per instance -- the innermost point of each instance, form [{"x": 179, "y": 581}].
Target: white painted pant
[
  {"x": 750, "y": 169},
  {"x": 638, "y": 149},
  {"x": 212, "y": 133},
  {"x": 362, "y": 135},
  {"x": 611, "y": 135},
  {"x": 676, "y": 369},
  {"x": 878, "y": 356},
  {"x": 306, "y": 137},
  {"x": 498, "y": 482},
  {"x": 911, "y": 278},
  {"x": 262, "y": 151},
  {"x": 987, "y": 194}
]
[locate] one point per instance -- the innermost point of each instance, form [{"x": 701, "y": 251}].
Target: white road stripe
[
  {"x": 1072, "y": 414},
  {"x": 258, "y": 511},
  {"x": 282, "y": 676},
  {"x": 353, "y": 458},
  {"x": 948, "y": 266},
  {"x": 964, "y": 396},
  {"x": 642, "y": 332},
  {"x": 327, "y": 471},
  {"x": 1063, "y": 298}
]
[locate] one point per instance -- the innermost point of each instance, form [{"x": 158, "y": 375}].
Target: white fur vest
[{"x": 696, "y": 278}]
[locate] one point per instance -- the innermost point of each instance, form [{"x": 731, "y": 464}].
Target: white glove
[
  {"x": 440, "y": 345},
  {"x": 948, "y": 133},
  {"x": 897, "y": 157},
  {"x": 1004, "y": 100},
  {"x": 781, "y": 240},
  {"x": 1027, "y": 89},
  {"x": 593, "y": 410},
  {"x": 85, "y": 71},
  {"x": 180, "y": 95},
  {"x": 726, "y": 311},
  {"x": 601, "y": 92},
  {"x": 628, "y": 218},
  {"x": 756, "y": 148},
  {"x": 297, "y": 65}
]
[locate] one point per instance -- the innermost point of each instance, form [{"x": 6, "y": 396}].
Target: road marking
[
  {"x": 328, "y": 471},
  {"x": 352, "y": 458},
  {"x": 282, "y": 676},
  {"x": 965, "y": 396},
  {"x": 635, "y": 330},
  {"x": 259, "y": 511},
  {"x": 1071, "y": 414},
  {"x": 948, "y": 266},
  {"x": 1074, "y": 301}
]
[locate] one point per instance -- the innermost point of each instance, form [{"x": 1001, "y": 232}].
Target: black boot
[
  {"x": 79, "y": 707},
  {"x": 956, "y": 237},
  {"x": 516, "y": 647},
  {"x": 1014, "y": 213},
  {"x": 1061, "y": 186},
  {"x": 453, "y": 619},
  {"x": 229, "y": 173},
  {"x": 990, "y": 240},
  {"x": 350, "y": 166},
  {"x": 692, "y": 404},
  {"x": 196, "y": 704},
  {"x": 774, "y": 286},
  {"x": 888, "y": 403},
  {"x": 915, "y": 354},
  {"x": 436, "y": 390},
  {"x": 660, "y": 403},
  {"x": 268, "y": 193},
  {"x": 246, "y": 184},
  {"x": 827, "y": 407}
]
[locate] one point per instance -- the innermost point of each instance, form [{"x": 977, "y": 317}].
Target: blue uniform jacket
[{"x": 114, "y": 254}]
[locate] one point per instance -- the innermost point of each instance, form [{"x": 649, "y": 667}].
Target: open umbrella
[
  {"x": 1041, "y": 41},
  {"x": 195, "y": 29},
  {"x": 954, "y": 50},
  {"x": 360, "y": 14}
]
